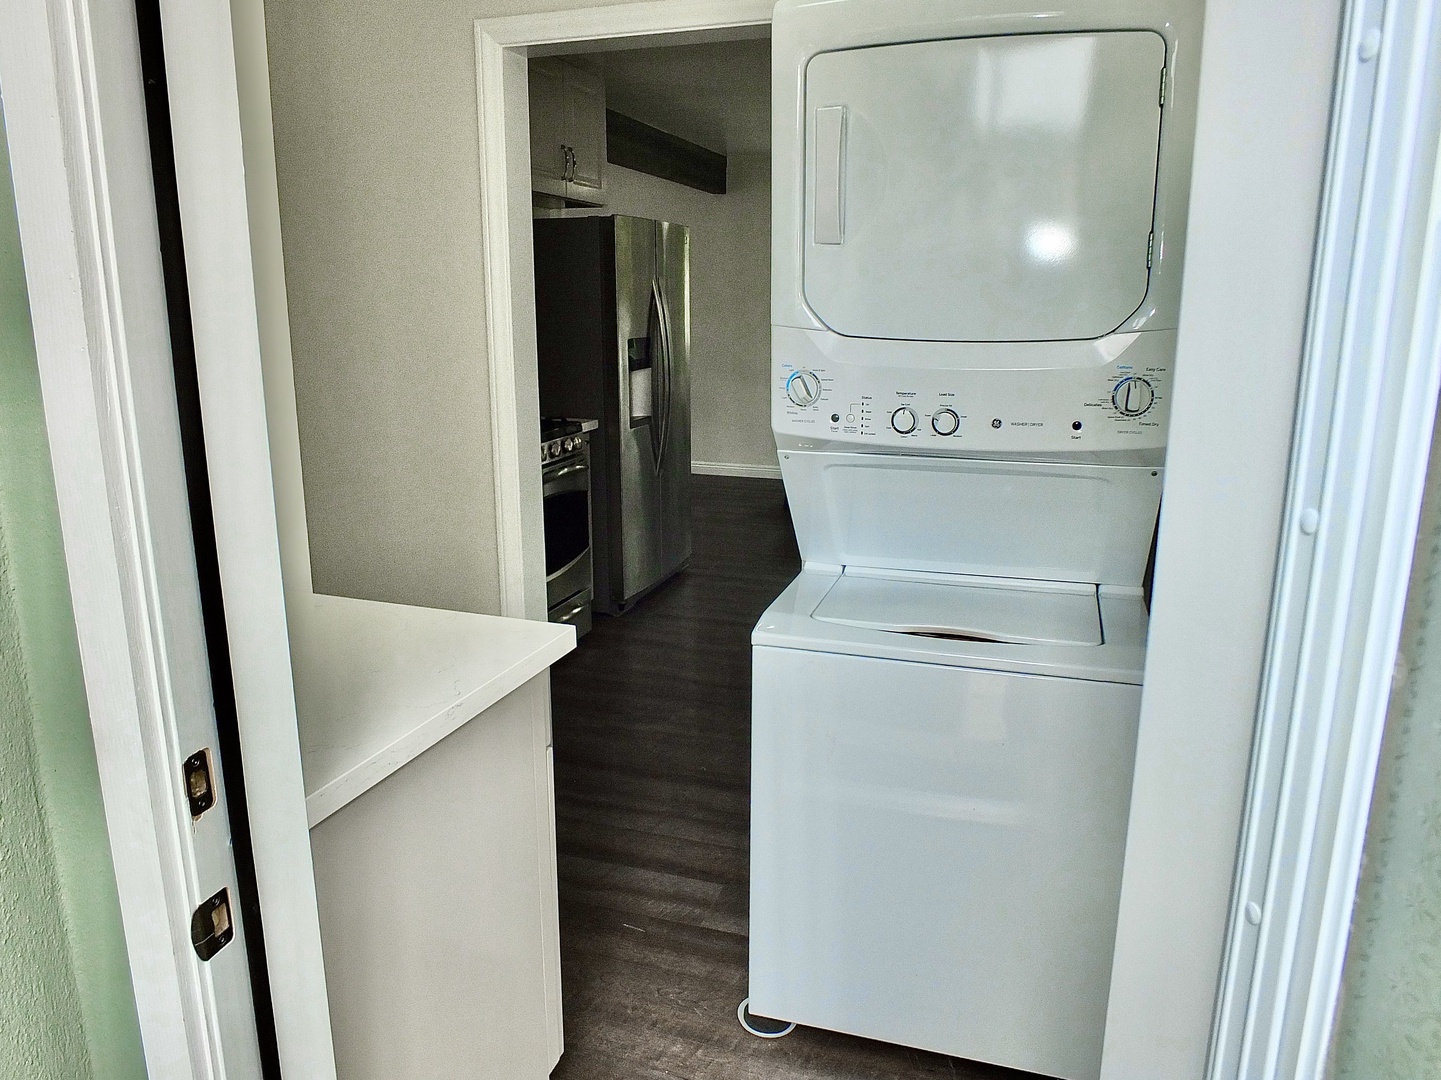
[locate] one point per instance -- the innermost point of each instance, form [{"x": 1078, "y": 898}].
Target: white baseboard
[{"x": 722, "y": 468}]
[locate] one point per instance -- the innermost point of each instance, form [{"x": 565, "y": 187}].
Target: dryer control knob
[
  {"x": 804, "y": 388},
  {"x": 945, "y": 422},
  {"x": 903, "y": 420},
  {"x": 1133, "y": 396}
]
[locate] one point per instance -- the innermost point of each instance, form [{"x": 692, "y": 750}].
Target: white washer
[
  {"x": 942, "y": 753},
  {"x": 938, "y": 825},
  {"x": 978, "y": 220}
]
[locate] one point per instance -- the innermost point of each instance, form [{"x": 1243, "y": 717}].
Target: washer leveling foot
[{"x": 762, "y": 1027}]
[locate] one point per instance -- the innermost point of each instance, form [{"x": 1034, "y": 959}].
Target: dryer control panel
[{"x": 1086, "y": 402}]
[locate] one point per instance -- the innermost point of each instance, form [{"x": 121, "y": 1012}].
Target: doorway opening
[
  {"x": 650, "y": 179},
  {"x": 520, "y": 486}
]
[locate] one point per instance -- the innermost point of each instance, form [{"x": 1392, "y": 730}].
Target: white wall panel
[{"x": 1264, "y": 109}]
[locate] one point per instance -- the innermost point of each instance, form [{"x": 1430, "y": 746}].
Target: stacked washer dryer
[{"x": 978, "y": 224}]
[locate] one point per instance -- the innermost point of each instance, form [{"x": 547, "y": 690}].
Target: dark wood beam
[{"x": 633, "y": 145}]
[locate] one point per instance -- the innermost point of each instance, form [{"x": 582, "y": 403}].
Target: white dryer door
[{"x": 982, "y": 189}]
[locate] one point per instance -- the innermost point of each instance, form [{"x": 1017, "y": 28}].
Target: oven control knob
[
  {"x": 945, "y": 422},
  {"x": 903, "y": 420},
  {"x": 804, "y": 388},
  {"x": 1133, "y": 396}
]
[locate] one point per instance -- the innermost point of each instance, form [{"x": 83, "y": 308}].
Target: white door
[
  {"x": 982, "y": 189},
  {"x": 86, "y": 204},
  {"x": 192, "y": 763}
]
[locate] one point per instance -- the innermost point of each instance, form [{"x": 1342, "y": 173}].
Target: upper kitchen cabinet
[{"x": 567, "y": 132}]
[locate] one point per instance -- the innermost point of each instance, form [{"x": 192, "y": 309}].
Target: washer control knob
[
  {"x": 945, "y": 422},
  {"x": 804, "y": 388},
  {"x": 1133, "y": 396},
  {"x": 903, "y": 420}
]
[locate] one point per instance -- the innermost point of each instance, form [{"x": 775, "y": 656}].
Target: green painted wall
[
  {"x": 1389, "y": 1025},
  {"x": 67, "y": 1011}
]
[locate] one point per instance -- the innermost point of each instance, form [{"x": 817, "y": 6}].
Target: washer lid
[
  {"x": 1020, "y": 613},
  {"x": 982, "y": 189}
]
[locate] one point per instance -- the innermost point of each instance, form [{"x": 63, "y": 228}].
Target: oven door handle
[
  {"x": 572, "y": 613},
  {"x": 568, "y": 567},
  {"x": 569, "y": 470}
]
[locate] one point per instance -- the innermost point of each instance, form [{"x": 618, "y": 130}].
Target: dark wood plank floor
[{"x": 652, "y": 764}]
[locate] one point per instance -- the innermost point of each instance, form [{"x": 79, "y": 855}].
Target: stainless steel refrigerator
[{"x": 613, "y": 327}]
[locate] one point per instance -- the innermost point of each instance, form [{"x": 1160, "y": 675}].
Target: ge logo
[{"x": 996, "y": 423}]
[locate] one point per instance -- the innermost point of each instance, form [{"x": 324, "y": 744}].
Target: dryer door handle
[{"x": 830, "y": 174}]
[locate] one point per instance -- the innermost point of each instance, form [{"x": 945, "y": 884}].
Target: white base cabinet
[{"x": 438, "y": 913}]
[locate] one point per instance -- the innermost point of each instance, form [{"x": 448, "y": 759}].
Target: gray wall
[
  {"x": 375, "y": 140},
  {"x": 378, "y": 167},
  {"x": 1389, "y": 1025},
  {"x": 717, "y": 95}
]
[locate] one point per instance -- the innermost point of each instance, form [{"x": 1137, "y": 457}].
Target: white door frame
[
  {"x": 80, "y": 156},
  {"x": 1363, "y": 439},
  {"x": 76, "y": 122},
  {"x": 72, "y": 164},
  {"x": 502, "y": 46}
]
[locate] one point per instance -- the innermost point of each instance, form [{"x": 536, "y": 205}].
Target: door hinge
[
  {"x": 199, "y": 782},
  {"x": 211, "y": 926},
  {"x": 1162, "y": 102},
  {"x": 1150, "y": 249}
]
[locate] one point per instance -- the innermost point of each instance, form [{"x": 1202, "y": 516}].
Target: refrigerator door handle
[
  {"x": 652, "y": 337},
  {"x": 665, "y": 322},
  {"x": 660, "y": 374}
]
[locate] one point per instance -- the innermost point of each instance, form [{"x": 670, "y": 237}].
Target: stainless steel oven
[{"x": 565, "y": 484}]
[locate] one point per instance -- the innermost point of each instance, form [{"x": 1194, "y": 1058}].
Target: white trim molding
[
  {"x": 1368, "y": 401},
  {"x": 629, "y": 26},
  {"x": 721, "y": 468},
  {"x": 507, "y": 448},
  {"x": 502, "y": 46}
]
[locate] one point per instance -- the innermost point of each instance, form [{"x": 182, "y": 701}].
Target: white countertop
[{"x": 376, "y": 685}]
